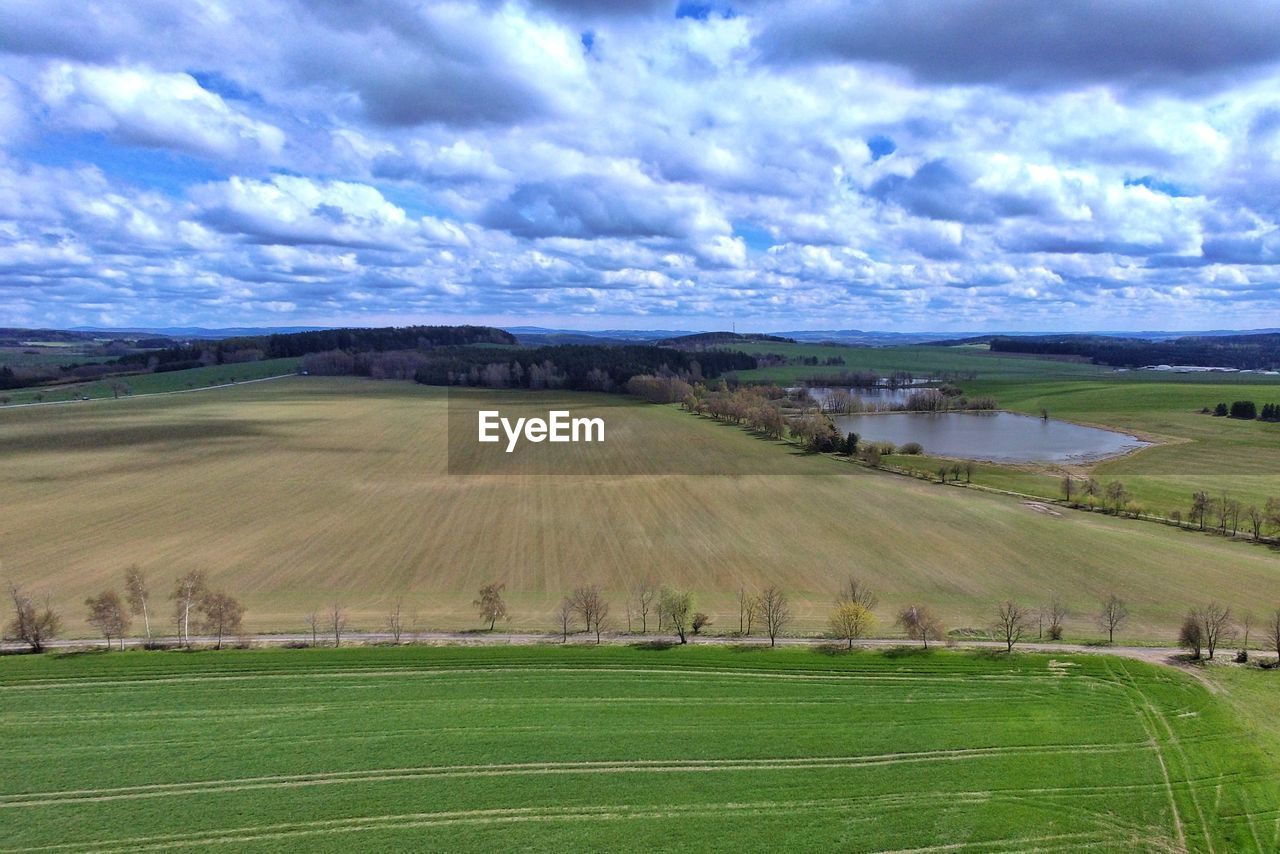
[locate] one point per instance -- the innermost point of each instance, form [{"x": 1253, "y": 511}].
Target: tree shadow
[
  {"x": 833, "y": 650},
  {"x": 740, "y": 648},
  {"x": 895, "y": 652},
  {"x": 654, "y": 645},
  {"x": 83, "y": 653}
]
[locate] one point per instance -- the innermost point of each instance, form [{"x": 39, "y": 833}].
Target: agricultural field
[
  {"x": 301, "y": 492},
  {"x": 46, "y": 355},
  {"x": 1193, "y": 451},
  {"x": 168, "y": 381},
  {"x": 543, "y": 748},
  {"x": 920, "y": 360}
]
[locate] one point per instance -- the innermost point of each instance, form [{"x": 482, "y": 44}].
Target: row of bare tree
[
  {"x": 219, "y": 615},
  {"x": 195, "y": 605}
]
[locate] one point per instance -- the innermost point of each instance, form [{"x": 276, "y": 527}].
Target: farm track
[{"x": 1167, "y": 656}]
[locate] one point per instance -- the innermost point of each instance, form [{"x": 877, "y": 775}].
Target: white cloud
[
  {"x": 392, "y": 159},
  {"x": 161, "y": 110}
]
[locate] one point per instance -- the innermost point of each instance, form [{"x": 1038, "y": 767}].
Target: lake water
[{"x": 997, "y": 436}]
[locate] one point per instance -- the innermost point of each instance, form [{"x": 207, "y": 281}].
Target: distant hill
[
  {"x": 540, "y": 335},
  {"x": 715, "y": 339},
  {"x": 201, "y": 331}
]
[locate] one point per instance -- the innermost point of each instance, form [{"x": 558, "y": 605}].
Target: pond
[{"x": 1004, "y": 437}]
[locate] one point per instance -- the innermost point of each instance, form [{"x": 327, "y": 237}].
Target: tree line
[
  {"x": 294, "y": 344},
  {"x": 1090, "y": 493},
  {"x": 1227, "y": 516},
  {"x": 196, "y": 607},
  {"x": 1244, "y": 352},
  {"x": 1246, "y": 410}
]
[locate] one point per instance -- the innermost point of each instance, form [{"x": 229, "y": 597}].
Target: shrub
[
  {"x": 1244, "y": 409},
  {"x": 911, "y": 448}
]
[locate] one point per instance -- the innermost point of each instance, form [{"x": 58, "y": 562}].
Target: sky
[{"x": 947, "y": 165}]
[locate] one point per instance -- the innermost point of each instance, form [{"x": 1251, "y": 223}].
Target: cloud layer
[{"x": 977, "y": 165}]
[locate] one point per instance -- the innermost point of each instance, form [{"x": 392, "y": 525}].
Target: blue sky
[{"x": 960, "y": 165}]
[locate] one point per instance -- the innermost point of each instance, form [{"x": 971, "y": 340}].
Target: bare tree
[
  {"x": 1256, "y": 520},
  {"x": 1114, "y": 612},
  {"x": 1092, "y": 490},
  {"x": 137, "y": 594},
  {"x": 589, "y": 604},
  {"x": 108, "y": 614},
  {"x": 851, "y": 621},
  {"x": 1233, "y": 510},
  {"x": 920, "y": 624},
  {"x": 31, "y": 624},
  {"x": 1223, "y": 509},
  {"x": 744, "y": 608},
  {"x": 751, "y": 607},
  {"x": 1057, "y": 613},
  {"x": 1214, "y": 620},
  {"x": 186, "y": 593},
  {"x": 221, "y": 615},
  {"x": 395, "y": 621},
  {"x": 1190, "y": 636},
  {"x": 776, "y": 611},
  {"x": 313, "y": 622},
  {"x": 675, "y": 606},
  {"x": 1117, "y": 495},
  {"x": 644, "y": 596},
  {"x": 338, "y": 622},
  {"x": 1011, "y": 621},
  {"x": 857, "y": 592},
  {"x": 1201, "y": 505},
  {"x": 700, "y": 621},
  {"x": 1273, "y": 632},
  {"x": 564, "y": 613},
  {"x": 490, "y": 604}
]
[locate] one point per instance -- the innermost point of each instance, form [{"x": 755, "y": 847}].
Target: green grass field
[
  {"x": 300, "y": 492},
  {"x": 168, "y": 381},
  {"x": 547, "y": 749},
  {"x": 45, "y": 356}
]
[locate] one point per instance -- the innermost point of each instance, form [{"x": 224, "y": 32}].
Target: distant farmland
[
  {"x": 604, "y": 749},
  {"x": 301, "y": 492}
]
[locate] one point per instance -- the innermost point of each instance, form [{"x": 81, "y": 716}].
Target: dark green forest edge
[{"x": 1243, "y": 352}]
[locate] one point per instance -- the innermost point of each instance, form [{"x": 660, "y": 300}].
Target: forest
[{"x": 1242, "y": 352}]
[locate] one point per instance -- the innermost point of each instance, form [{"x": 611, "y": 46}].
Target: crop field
[
  {"x": 920, "y": 360},
  {"x": 537, "y": 748},
  {"x": 298, "y": 493},
  {"x": 169, "y": 381}
]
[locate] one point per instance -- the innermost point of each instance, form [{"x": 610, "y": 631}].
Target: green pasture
[{"x": 581, "y": 748}]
